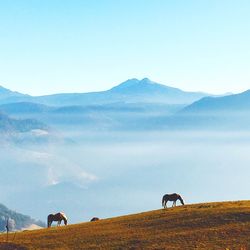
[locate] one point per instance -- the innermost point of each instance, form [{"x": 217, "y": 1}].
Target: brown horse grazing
[
  {"x": 171, "y": 197},
  {"x": 95, "y": 219},
  {"x": 57, "y": 217}
]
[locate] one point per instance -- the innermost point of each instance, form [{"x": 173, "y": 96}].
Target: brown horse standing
[
  {"x": 171, "y": 197},
  {"x": 57, "y": 217}
]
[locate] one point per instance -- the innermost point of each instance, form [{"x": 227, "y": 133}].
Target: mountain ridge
[{"x": 131, "y": 90}]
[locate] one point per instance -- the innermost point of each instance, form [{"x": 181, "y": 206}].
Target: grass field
[{"x": 222, "y": 225}]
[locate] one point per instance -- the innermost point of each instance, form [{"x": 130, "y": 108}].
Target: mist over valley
[{"x": 117, "y": 152}]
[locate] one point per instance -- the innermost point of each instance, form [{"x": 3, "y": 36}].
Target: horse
[
  {"x": 57, "y": 217},
  {"x": 171, "y": 197},
  {"x": 95, "y": 219}
]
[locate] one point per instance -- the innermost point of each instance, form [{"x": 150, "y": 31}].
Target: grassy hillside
[{"x": 224, "y": 225}]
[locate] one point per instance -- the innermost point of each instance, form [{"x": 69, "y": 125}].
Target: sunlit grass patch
[{"x": 219, "y": 225}]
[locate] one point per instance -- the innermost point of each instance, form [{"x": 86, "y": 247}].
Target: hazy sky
[{"x": 49, "y": 46}]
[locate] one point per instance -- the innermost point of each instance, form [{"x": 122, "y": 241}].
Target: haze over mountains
[
  {"x": 8, "y": 124},
  {"x": 130, "y": 105},
  {"x": 133, "y": 105}
]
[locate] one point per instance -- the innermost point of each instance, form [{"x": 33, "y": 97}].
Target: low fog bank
[{"x": 109, "y": 173}]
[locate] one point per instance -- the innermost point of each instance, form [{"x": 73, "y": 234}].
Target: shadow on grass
[{"x": 11, "y": 246}]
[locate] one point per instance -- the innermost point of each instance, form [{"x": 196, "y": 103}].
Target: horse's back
[
  {"x": 95, "y": 219},
  {"x": 57, "y": 216},
  {"x": 171, "y": 196}
]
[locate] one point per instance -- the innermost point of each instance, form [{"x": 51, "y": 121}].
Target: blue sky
[{"x": 49, "y": 46}]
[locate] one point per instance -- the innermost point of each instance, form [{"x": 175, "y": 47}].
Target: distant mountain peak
[
  {"x": 134, "y": 82},
  {"x": 147, "y": 81},
  {"x": 142, "y": 81},
  {"x": 145, "y": 84}
]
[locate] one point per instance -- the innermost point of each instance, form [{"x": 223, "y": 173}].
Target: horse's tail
[{"x": 48, "y": 221}]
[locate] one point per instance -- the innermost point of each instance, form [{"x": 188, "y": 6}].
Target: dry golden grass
[{"x": 223, "y": 225}]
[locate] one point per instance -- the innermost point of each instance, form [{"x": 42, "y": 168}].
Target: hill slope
[{"x": 224, "y": 225}]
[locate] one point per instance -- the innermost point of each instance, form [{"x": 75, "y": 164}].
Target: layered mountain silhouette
[
  {"x": 133, "y": 104},
  {"x": 130, "y": 104}
]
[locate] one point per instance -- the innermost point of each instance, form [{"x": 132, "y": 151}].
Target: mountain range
[
  {"x": 130, "y": 91},
  {"x": 126, "y": 105},
  {"x": 134, "y": 104}
]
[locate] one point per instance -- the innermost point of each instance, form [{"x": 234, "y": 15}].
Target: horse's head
[
  {"x": 65, "y": 220},
  {"x": 181, "y": 200},
  {"x": 49, "y": 220}
]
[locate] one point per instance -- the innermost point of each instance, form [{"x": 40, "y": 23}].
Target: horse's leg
[{"x": 165, "y": 203}]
